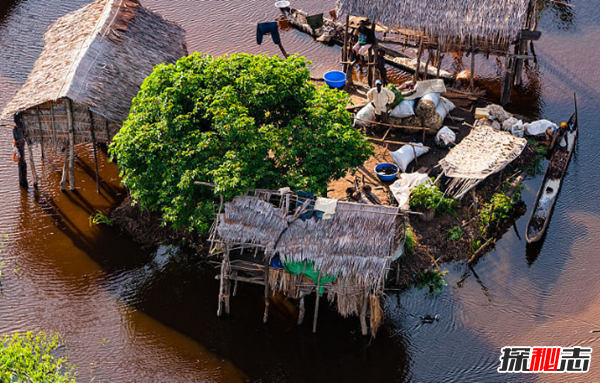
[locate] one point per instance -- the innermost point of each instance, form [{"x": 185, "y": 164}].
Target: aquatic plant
[
  {"x": 425, "y": 197},
  {"x": 27, "y": 357},
  {"x": 475, "y": 244},
  {"x": 455, "y": 233},
  {"x": 492, "y": 213},
  {"x": 237, "y": 122},
  {"x": 99, "y": 218},
  {"x": 433, "y": 279},
  {"x": 410, "y": 241}
]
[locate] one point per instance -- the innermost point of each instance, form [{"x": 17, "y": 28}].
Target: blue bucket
[
  {"x": 335, "y": 79},
  {"x": 387, "y": 177}
]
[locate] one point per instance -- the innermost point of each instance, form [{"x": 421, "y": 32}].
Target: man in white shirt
[{"x": 380, "y": 98}]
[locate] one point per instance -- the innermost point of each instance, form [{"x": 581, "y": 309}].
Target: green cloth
[
  {"x": 399, "y": 97},
  {"x": 307, "y": 268}
]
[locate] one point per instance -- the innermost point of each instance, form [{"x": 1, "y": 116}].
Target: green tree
[
  {"x": 27, "y": 357},
  {"x": 239, "y": 122}
]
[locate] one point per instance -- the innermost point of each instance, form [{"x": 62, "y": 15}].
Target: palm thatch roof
[
  {"x": 496, "y": 21},
  {"x": 99, "y": 56},
  {"x": 358, "y": 244}
]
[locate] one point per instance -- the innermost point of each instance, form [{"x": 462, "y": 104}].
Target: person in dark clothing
[
  {"x": 366, "y": 38},
  {"x": 380, "y": 66}
]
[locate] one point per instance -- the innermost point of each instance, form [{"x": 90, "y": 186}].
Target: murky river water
[{"x": 149, "y": 316}]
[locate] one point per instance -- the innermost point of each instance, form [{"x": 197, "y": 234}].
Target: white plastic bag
[
  {"x": 404, "y": 156},
  {"x": 508, "y": 124},
  {"x": 433, "y": 97},
  {"x": 444, "y": 107},
  {"x": 404, "y": 109},
  {"x": 366, "y": 113},
  {"x": 446, "y": 136},
  {"x": 402, "y": 187},
  {"x": 538, "y": 127},
  {"x": 518, "y": 130}
]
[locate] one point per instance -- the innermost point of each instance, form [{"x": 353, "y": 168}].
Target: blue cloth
[
  {"x": 270, "y": 28},
  {"x": 303, "y": 196}
]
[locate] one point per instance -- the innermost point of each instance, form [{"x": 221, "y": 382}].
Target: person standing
[{"x": 380, "y": 98}]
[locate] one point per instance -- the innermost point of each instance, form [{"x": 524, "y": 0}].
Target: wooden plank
[
  {"x": 531, "y": 35},
  {"x": 71, "y": 144}
]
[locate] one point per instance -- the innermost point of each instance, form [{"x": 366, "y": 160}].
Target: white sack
[
  {"x": 404, "y": 156},
  {"x": 404, "y": 109},
  {"x": 402, "y": 187},
  {"x": 444, "y": 107},
  {"x": 518, "y": 130},
  {"x": 538, "y": 127},
  {"x": 366, "y": 113},
  {"x": 508, "y": 124},
  {"x": 446, "y": 136},
  {"x": 433, "y": 97}
]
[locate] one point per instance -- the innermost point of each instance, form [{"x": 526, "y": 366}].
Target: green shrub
[
  {"x": 434, "y": 280},
  {"x": 238, "y": 122},
  {"x": 99, "y": 218},
  {"x": 425, "y": 197},
  {"x": 410, "y": 241},
  {"x": 455, "y": 233},
  {"x": 492, "y": 213},
  {"x": 27, "y": 357}
]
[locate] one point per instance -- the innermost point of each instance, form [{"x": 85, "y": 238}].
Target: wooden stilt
[
  {"x": 107, "y": 131},
  {"x": 507, "y": 82},
  {"x": 95, "y": 150},
  {"x": 316, "y": 316},
  {"x": 267, "y": 267},
  {"x": 222, "y": 283},
  {"x": 363, "y": 316},
  {"x": 19, "y": 137},
  {"x": 520, "y": 49},
  {"x": 301, "y": 310},
  {"x": 63, "y": 180},
  {"x": 438, "y": 61},
  {"x": 54, "y": 140},
  {"x": 472, "y": 85},
  {"x": 345, "y": 53},
  {"x": 235, "y": 288},
  {"x": 32, "y": 164},
  {"x": 39, "y": 118},
  {"x": 71, "y": 144}
]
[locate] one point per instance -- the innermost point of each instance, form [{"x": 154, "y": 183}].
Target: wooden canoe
[{"x": 552, "y": 182}]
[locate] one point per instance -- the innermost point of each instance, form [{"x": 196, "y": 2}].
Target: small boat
[{"x": 552, "y": 182}]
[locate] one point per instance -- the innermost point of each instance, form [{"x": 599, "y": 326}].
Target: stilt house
[{"x": 92, "y": 65}]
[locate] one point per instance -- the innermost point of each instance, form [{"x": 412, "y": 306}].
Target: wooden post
[
  {"x": 473, "y": 67},
  {"x": 345, "y": 53},
  {"x": 63, "y": 180},
  {"x": 95, "y": 150},
  {"x": 419, "y": 53},
  {"x": 107, "y": 131},
  {"x": 507, "y": 82},
  {"x": 520, "y": 49},
  {"x": 32, "y": 164},
  {"x": 301, "y": 310},
  {"x": 55, "y": 140},
  {"x": 41, "y": 131},
  {"x": 438, "y": 62},
  {"x": 363, "y": 316},
  {"x": 69, "y": 106},
  {"x": 267, "y": 267},
  {"x": 316, "y": 316},
  {"x": 222, "y": 283},
  {"x": 19, "y": 137}
]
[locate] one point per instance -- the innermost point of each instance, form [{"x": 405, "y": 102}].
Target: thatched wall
[
  {"x": 98, "y": 57},
  {"x": 50, "y": 121},
  {"x": 357, "y": 244},
  {"x": 448, "y": 21}
]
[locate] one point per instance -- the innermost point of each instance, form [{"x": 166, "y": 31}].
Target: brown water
[{"x": 149, "y": 316}]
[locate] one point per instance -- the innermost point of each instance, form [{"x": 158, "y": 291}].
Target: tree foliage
[
  {"x": 239, "y": 122},
  {"x": 27, "y": 357}
]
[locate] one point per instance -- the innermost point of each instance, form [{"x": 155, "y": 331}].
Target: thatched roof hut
[
  {"x": 97, "y": 57},
  {"x": 450, "y": 22},
  {"x": 357, "y": 245}
]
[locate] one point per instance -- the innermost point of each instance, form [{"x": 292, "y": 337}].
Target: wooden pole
[
  {"x": 438, "y": 62},
  {"x": 222, "y": 284},
  {"x": 95, "y": 150},
  {"x": 363, "y": 316},
  {"x": 316, "y": 316},
  {"x": 520, "y": 49},
  {"x": 507, "y": 82},
  {"x": 32, "y": 164},
  {"x": 107, "y": 131},
  {"x": 71, "y": 144},
  {"x": 41, "y": 131},
  {"x": 63, "y": 180},
  {"x": 19, "y": 137},
  {"x": 282, "y": 50},
  {"x": 52, "y": 122},
  {"x": 267, "y": 264},
  {"x": 345, "y": 55},
  {"x": 301, "y": 311},
  {"x": 419, "y": 53},
  {"x": 472, "y": 67}
]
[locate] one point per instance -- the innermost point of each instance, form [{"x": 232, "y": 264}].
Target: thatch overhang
[
  {"x": 449, "y": 22},
  {"x": 97, "y": 57},
  {"x": 358, "y": 244}
]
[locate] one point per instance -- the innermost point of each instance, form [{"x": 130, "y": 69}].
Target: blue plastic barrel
[{"x": 335, "y": 79}]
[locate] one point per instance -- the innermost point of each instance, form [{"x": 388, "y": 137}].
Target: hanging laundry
[{"x": 270, "y": 28}]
